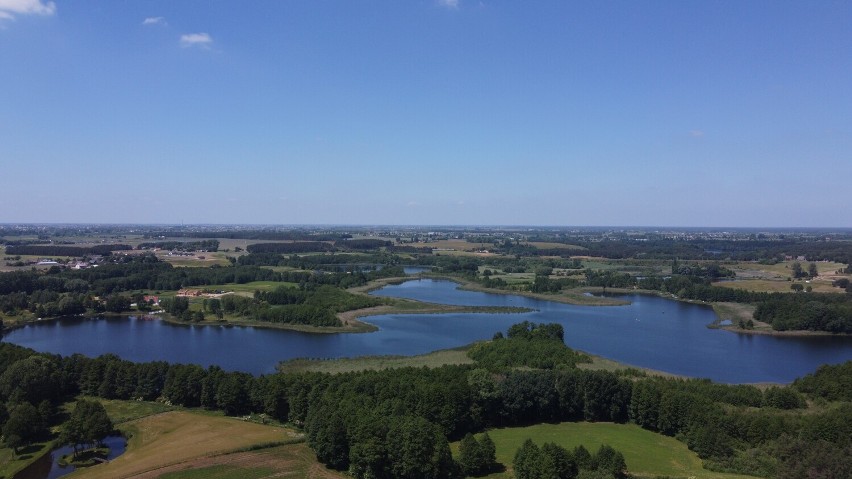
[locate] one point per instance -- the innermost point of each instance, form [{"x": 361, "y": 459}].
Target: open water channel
[{"x": 650, "y": 332}]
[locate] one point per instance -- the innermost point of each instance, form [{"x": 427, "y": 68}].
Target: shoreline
[
  {"x": 350, "y": 319},
  {"x": 352, "y": 322},
  {"x": 719, "y": 308},
  {"x": 736, "y": 312},
  {"x": 579, "y": 299}
]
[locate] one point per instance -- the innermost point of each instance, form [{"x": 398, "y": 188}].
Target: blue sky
[{"x": 426, "y": 112}]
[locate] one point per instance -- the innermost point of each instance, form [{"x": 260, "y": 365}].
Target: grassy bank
[
  {"x": 292, "y": 460},
  {"x": 350, "y": 319},
  {"x": 11, "y": 463},
  {"x": 377, "y": 363},
  {"x": 603, "y": 364},
  {"x": 455, "y": 356},
  {"x": 229, "y": 322}
]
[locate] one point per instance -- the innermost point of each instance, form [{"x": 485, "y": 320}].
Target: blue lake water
[{"x": 650, "y": 332}]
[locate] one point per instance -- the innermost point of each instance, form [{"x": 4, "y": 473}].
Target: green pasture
[
  {"x": 778, "y": 286},
  {"x": 120, "y": 411},
  {"x": 782, "y": 270},
  {"x": 647, "y": 454},
  {"x": 250, "y": 287},
  {"x": 195, "y": 261},
  {"x": 547, "y": 245}
]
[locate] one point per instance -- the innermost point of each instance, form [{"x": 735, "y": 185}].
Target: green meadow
[{"x": 647, "y": 454}]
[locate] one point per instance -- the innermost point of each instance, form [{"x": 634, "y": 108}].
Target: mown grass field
[
  {"x": 282, "y": 269},
  {"x": 782, "y": 270},
  {"x": 249, "y": 288},
  {"x": 510, "y": 278},
  {"x": 293, "y": 460},
  {"x": 4, "y": 267},
  {"x": 176, "y": 437},
  {"x": 546, "y": 245},
  {"x": 647, "y": 454},
  {"x": 456, "y": 244},
  {"x": 626, "y": 266},
  {"x": 120, "y": 411},
  {"x": 456, "y": 247},
  {"x": 778, "y": 286},
  {"x": 603, "y": 364},
  {"x": 196, "y": 261}
]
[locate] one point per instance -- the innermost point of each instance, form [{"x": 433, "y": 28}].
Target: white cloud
[
  {"x": 449, "y": 3},
  {"x": 10, "y": 8},
  {"x": 696, "y": 133},
  {"x": 202, "y": 40},
  {"x": 154, "y": 21}
]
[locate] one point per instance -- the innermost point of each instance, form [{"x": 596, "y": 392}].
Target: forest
[
  {"x": 310, "y": 305},
  {"x": 203, "y": 245},
  {"x": 398, "y": 423},
  {"x": 829, "y": 312},
  {"x": 63, "y": 250},
  {"x": 57, "y": 292}
]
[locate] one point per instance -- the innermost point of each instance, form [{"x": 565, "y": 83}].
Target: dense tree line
[
  {"x": 396, "y": 423},
  {"x": 333, "y": 262},
  {"x": 289, "y": 313},
  {"x": 321, "y": 296},
  {"x": 831, "y": 382},
  {"x": 538, "y": 346},
  {"x": 712, "y": 271},
  {"x": 363, "y": 244},
  {"x": 544, "y": 284},
  {"x": 425, "y": 250},
  {"x": 56, "y": 250},
  {"x": 290, "y": 248},
  {"x": 256, "y": 234},
  {"x": 784, "y": 311},
  {"x": 67, "y": 292},
  {"x": 310, "y": 304},
  {"x": 812, "y": 311},
  {"x": 29, "y": 289},
  {"x": 839, "y": 250},
  {"x": 204, "y": 245},
  {"x": 24, "y": 242},
  {"x": 477, "y": 457},
  {"x": 552, "y": 461},
  {"x": 454, "y": 264}
]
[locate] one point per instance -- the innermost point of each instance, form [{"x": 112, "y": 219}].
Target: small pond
[{"x": 47, "y": 467}]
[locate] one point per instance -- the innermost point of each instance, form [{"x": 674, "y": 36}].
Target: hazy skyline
[{"x": 426, "y": 112}]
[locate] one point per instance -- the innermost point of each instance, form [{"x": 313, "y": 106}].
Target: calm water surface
[
  {"x": 47, "y": 467},
  {"x": 650, "y": 332}
]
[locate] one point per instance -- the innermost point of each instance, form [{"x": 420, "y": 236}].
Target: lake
[{"x": 650, "y": 332}]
